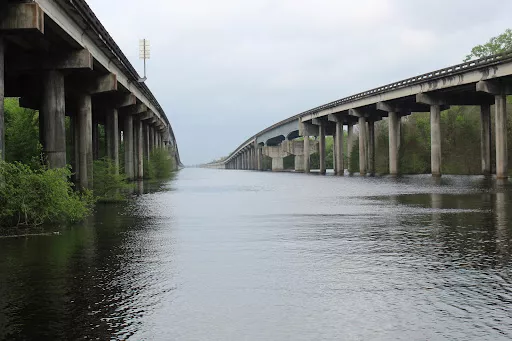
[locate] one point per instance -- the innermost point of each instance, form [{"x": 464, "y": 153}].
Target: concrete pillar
[
  {"x": 362, "y": 146},
  {"x": 259, "y": 157},
  {"x": 2, "y": 94},
  {"x": 485, "y": 138},
  {"x": 128, "y": 138},
  {"x": 350, "y": 145},
  {"x": 435, "y": 138},
  {"x": 277, "y": 164},
  {"x": 393, "y": 124},
  {"x": 85, "y": 163},
  {"x": 139, "y": 148},
  {"x": 95, "y": 139},
  {"x": 112, "y": 136},
  {"x": 338, "y": 142},
  {"x": 371, "y": 147},
  {"x": 151, "y": 137},
  {"x": 334, "y": 154},
  {"x": 299, "y": 163},
  {"x": 53, "y": 111},
  {"x": 75, "y": 129},
  {"x": 307, "y": 164},
  {"x": 501, "y": 136},
  {"x": 146, "y": 141},
  {"x": 321, "y": 146}
]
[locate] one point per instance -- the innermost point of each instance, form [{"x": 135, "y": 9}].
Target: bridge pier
[
  {"x": 485, "y": 138},
  {"x": 129, "y": 168},
  {"x": 393, "y": 123},
  {"x": 307, "y": 164},
  {"x": 112, "y": 136},
  {"x": 371, "y": 147},
  {"x": 321, "y": 146},
  {"x": 350, "y": 145},
  {"x": 362, "y": 146},
  {"x": 139, "y": 147},
  {"x": 259, "y": 156},
  {"x": 338, "y": 150},
  {"x": 277, "y": 164},
  {"x": 53, "y": 111},
  {"x": 435, "y": 140},
  {"x": 85, "y": 159},
  {"x": 501, "y": 136}
]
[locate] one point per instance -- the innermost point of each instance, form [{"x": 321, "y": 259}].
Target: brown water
[{"x": 238, "y": 255}]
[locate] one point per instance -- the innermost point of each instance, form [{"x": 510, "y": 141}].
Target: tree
[{"x": 495, "y": 45}]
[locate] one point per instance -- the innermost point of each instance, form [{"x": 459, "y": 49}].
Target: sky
[{"x": 224, "y": 70}]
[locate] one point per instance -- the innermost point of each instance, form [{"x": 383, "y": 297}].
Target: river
[{"x": 241, "y": 255}]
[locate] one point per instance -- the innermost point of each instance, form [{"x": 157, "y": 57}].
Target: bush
[
  {"x": 161, "y": 164},
  {"x": 34, "y": 197},
  {"x": 108, "y": 184}
]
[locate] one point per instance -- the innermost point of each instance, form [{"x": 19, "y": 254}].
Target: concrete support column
[
  {"x": 139, "y": 148},
  {"x": 53, "y": 111},
  {"x": 501, "y": 137},
  {"x": 259, "y": 157},
  {"x": 334, "y": 154},
  {"x": 321, "y": 146},
  {"x": 362, "y": 146},
  {"x": 151, "y": 137},
  {"x": 340, "y": 168},
  {"x": 2, "y": 94},
  {"x": 277, "y": 164},
  {"x": 350, "y": 145},
  {"x": 112, "y": 136},
  {"x": 307, "y": 164},
  {"x": 146, "y": 141},
  {"x": 95, "y": 139},
  {"x": 128, "y": 138},
  {"x": 75, "y": 128},
  {"x": 435, "y": 138},
  {"x": 299, "y": 163},
  {"x": 371, "y": 147},
  {"x": 485, "y": 138},
  {"x": 393, "y": 142},
  {"x": 85, "y": 163}
]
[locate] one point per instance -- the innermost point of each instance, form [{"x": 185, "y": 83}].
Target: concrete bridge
[
  {"x": 482, "y": 82},
  {"x": 58, "y": 58}
]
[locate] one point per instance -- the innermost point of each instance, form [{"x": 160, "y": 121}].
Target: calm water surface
[{"x": 234, "y": 255}]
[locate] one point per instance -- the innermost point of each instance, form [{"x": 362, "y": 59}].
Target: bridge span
[
  {"x": 57, "y": 57},
  {"x": 483, "y": 82}
]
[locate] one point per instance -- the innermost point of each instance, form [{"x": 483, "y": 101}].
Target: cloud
[{"x": 225, "y": 69}]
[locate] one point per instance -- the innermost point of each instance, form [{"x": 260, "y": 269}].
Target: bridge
[
  {"x": 483, "y": 82},
  {"x": 57, "y": 57}
]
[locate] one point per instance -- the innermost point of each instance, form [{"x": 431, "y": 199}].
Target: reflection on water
[{"x": 221, "y": 255}]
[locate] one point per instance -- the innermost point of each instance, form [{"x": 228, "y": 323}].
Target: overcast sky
[{"x": 225, "y": 69}]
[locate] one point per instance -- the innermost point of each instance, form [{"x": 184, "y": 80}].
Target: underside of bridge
[{"x": 57, "y": 58}]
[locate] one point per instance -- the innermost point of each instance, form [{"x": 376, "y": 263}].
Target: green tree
[{"x": 495, "y": 45}]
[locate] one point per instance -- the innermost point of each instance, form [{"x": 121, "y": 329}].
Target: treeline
[{"x": 31, "y": 194}]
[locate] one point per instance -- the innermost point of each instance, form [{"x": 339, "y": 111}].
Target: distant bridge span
[{"x": 483, "y": 82}]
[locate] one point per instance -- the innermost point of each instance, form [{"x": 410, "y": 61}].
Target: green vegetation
[
  {"x": 495, "y": 45},
  {"x": 160, "y": 165},
  {"x": 109, "y": 185},
  {"x": 34, "y": 197}
]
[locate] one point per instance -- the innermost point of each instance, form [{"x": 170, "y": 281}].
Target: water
[{"x": 234, "y": 255}]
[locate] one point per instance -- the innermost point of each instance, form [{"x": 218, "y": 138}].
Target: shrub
[
  {"x": 161, "y": 164},
  {"x": 36, "y": 196},
  {"x": 108, "y": 184}
]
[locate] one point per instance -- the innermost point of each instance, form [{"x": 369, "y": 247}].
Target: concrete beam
[
  {"x": 494, "y": 87},
  {"x": 390, "y": 107},
  {"x": 105, "y": 83},
  {"x": 70, "y": 60},
  {"x": 23, "y": 17},
  {"x": 125, "y": 100},
  {"x": 146, "y": 115},
  {"x": 445, "y": 100}
]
